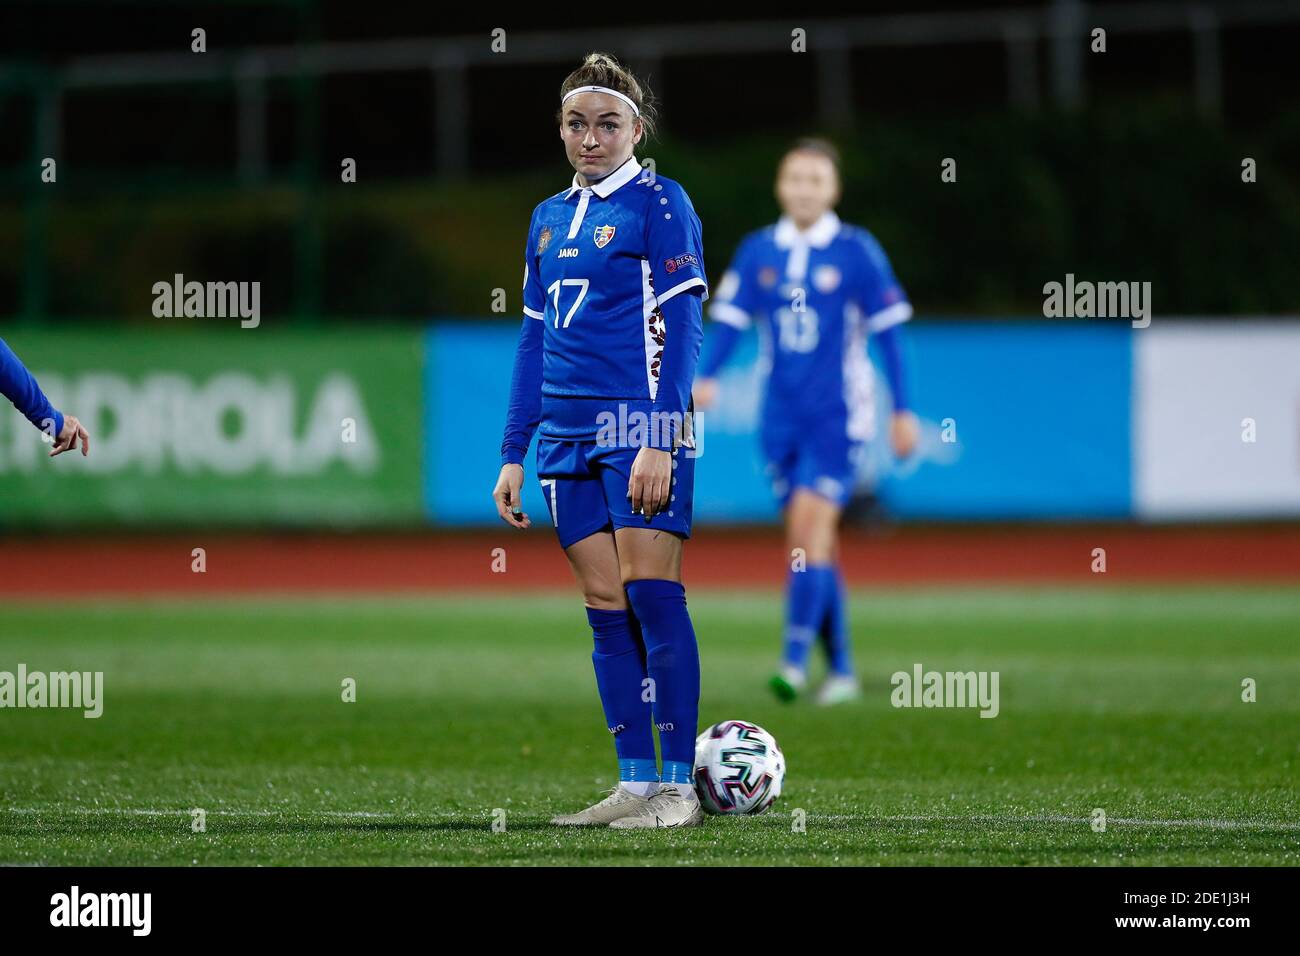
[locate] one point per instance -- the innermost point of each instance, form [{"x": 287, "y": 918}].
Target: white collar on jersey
[
  {"x": 611, "y": 182},
  {"x": 818, "y": 235}
]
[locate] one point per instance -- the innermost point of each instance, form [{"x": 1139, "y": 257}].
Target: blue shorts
[
  {"x": 822, "y": 459},
  {"x": 585, "y": 485}
]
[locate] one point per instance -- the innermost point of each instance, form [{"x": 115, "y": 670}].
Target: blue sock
[
  {"x": 619, "y": 659},
  {"x": 804, "y": 608},
  {"x": 673, "y": 663},
  {"x": 834, "y": 630}
]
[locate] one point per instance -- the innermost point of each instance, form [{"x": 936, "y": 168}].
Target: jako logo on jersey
[
  {"x": 680, "y": 262},
  {"x": 543, "y": 239},
  {"x": 667, "y": 726},
  {"x": 569, "y": 253},
  {"x": 602, "y": 236},
  {"x": 614, "y": 730}
]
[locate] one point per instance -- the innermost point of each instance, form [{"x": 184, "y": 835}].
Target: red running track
[{"x": 63, "y": 567}]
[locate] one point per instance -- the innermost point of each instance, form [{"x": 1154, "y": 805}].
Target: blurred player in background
[
  {"x": 19, "y": 386},
  {"x": 819, "y": 287},
  {"x": 613, "y": 286}
]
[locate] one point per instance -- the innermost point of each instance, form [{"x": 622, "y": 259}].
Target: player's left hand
[
  {"x": 506, "y": 495},
  {"x": 651, "y": 479},
  {"x": 904, "y": 433},
  {"x": 73, "y": 431}
]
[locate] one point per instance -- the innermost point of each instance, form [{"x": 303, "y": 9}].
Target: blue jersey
[
  {"x": 601, "y": 262},
  {"x": 817, "y": 295}
]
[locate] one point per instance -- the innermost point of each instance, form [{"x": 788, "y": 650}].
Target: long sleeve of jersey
[
  {"x": 683, "y": 337},
  {"x": 723, "y": 339},
  {"x": 731, "y": 309},
  {"x": 525, "y": 408},
  {"x": 890, "y": 342},
  {"x": 20, "y": 387}
]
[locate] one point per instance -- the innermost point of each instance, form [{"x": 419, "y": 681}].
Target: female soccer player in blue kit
[
  {"x": 613, "y": 286},
  {"x": 818, "y": 287}
]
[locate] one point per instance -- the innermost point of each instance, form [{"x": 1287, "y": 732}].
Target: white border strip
[
  {"x": 729, "y": 314},
  {"x": 682, "y": 287},
  {"x": 888, "y": 317}
]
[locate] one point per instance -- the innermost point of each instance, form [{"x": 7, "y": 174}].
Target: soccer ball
[{"x": 738, "y": 768}]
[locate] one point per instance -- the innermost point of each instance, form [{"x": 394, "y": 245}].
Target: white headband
[{"x": 601, "y": 89}]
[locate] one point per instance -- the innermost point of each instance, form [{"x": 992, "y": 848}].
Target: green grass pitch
[{"x": 1126, "y": 700}]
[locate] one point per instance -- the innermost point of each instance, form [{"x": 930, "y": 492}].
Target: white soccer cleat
[
  {"x": 838, "y": 689},
  {"x": 667, "y": 808},
  {"x": 618, "y": 804}
]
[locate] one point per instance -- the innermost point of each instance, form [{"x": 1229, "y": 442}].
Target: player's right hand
[
  {"x": 705, "y": 392},
  {"x": 67, "y": 439},
  {"x": 904, "y": 433},
  {"x": 506, "y": 495}
]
